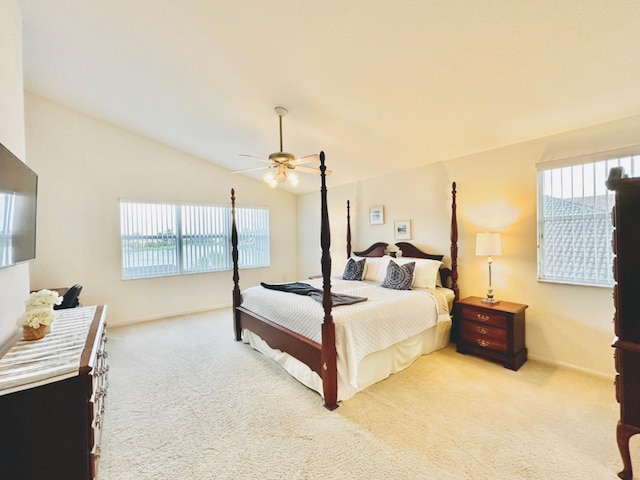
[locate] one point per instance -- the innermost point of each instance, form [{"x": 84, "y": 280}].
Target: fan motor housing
[{"x": 282, "y": 157}]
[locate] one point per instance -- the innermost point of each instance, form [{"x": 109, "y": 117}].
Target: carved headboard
[{"x": 379, "y": 249}]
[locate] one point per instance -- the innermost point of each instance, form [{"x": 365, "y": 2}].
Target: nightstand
[{"x": 493, "y": 331}]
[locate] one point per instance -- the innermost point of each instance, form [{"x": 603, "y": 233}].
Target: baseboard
[
  {"x": 586, "y": 371},
  {"x": 164, "y": 316}
]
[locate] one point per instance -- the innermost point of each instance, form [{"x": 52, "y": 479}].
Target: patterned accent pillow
[
  {"x": 353, "y": 270},
  {"x": 399, "y": 277}
]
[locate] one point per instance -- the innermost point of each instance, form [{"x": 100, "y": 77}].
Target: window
[
  {"x": 162, "y": 239},
  {"x": 574, "y": 220}
]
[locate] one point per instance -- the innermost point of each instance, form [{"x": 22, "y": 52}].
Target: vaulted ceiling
[{"x": 379, "y": 85}]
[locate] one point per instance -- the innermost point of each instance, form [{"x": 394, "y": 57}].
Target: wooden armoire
[{"x": 626, "y": 298}]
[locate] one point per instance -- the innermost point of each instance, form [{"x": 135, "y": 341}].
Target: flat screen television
[{"x": 18, "y": 204}]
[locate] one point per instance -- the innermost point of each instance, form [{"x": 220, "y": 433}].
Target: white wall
[
  {"x": 85, "y": 166},
  {"x": 14, "y": 281},
  {"x": 565, "y": 325}
]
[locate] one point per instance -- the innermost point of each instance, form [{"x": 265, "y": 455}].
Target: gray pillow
[
  {"x": 353, "y": 270},
  {"x": 399, "y": 277}
]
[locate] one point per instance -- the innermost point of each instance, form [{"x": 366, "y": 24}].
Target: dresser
[
  {"x": 52, "y": 399},
  {"x": 492, "y": 331},
  {"x": 626, "y": 299}
]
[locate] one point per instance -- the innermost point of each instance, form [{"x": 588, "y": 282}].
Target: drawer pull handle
[
  {"x": 482, "y": 330},
  {"x": 482, "y": 343},
  {"x": 483, "y": 318}
]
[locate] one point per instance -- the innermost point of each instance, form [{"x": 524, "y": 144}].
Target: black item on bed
[{"x": 301, "y": 288}]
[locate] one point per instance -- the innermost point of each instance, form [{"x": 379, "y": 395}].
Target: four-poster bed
[{"x": 312, "y": 357}]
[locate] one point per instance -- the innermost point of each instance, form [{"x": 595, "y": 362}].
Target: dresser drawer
[
  {"x": 497, "y": 319},
  {"x": 485, "y": 336}
]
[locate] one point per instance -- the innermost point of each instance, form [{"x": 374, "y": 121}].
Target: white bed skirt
[{"x": 371, "y": 369}]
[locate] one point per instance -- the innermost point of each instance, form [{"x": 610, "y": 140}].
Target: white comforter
[{"x": 386, "y": 318}]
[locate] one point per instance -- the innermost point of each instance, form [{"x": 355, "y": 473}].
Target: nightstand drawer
[
  {"x": 484, "y": 336},
  {"x": 487, "y": 317}
]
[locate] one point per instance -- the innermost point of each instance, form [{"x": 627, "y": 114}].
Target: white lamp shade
[
  {"x": 270, "y": 179},
  {"x": 293, "y": 179},
  {"x": 273, "y": 178},
  {"x": 488, "y": 244}
]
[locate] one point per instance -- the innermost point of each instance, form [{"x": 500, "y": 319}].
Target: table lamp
[{"x": 488, "y": 244}]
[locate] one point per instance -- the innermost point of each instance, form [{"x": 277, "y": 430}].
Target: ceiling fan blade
[
  {"x": 251, "y": 169},
  {"x": 306, "y": 159},
  {"x": 256, "y": 158},
  {"x": 315, "y": 171}
]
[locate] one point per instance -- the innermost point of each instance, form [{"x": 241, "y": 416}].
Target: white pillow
[
  {"x": 381, "y": 272},
  {"x": 372, "y": 268},
  {"x": 438, "y": 277},
  {"x": 426, "y": 274}
]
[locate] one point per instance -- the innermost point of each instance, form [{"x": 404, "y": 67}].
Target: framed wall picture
[
  {"x": 376, "y": 215},
  {"x": 402, "y": 229}
]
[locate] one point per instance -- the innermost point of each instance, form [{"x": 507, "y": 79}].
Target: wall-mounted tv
[{"x": 18, "y": 202}]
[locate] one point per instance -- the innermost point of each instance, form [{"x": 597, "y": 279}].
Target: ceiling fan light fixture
[
  {"x": 282, "y": 164},
  {"x": 270, "y": 179},
  {"x": 293, "y": 179},
  {"x": 273, "y": 178}
]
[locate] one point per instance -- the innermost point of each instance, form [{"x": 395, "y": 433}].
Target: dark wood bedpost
[
  {"x": 237, "y": 299},
  {"x": 454, "y": 244},
  {"x": 348, "y": 229},
  {"x": 329, "y": 365}
]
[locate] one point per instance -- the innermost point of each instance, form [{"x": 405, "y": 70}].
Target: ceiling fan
[{"x": 282, "y": 165}]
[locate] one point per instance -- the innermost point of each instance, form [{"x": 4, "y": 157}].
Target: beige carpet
[{"x": 187, "y": 402}]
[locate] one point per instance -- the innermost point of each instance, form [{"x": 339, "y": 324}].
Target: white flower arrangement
[
  {"x": 37, "y": 316},
  {"x": 39, "y": 309},
  {"x": 43, "y": 298}
]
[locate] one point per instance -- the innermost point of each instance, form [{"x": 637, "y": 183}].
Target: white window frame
[
  {"x": 159, "y": 239},
  {"x": 574, "y": 218}
]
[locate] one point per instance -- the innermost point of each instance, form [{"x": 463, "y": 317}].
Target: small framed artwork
[
  {"x": 376, "y": 215},
  {"x": 402, "y": 229}
]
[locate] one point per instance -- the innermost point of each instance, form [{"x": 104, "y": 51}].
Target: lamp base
[
  {"x": 491, "y": 301},
  {"x": 489, "y": 298}
]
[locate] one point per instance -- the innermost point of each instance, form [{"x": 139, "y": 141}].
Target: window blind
[
  {"x": 574, "y": 221},
  {"x": 164, "y": 239}
]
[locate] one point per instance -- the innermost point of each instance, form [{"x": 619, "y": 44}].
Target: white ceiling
[{"x": 379, "y": 85}]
